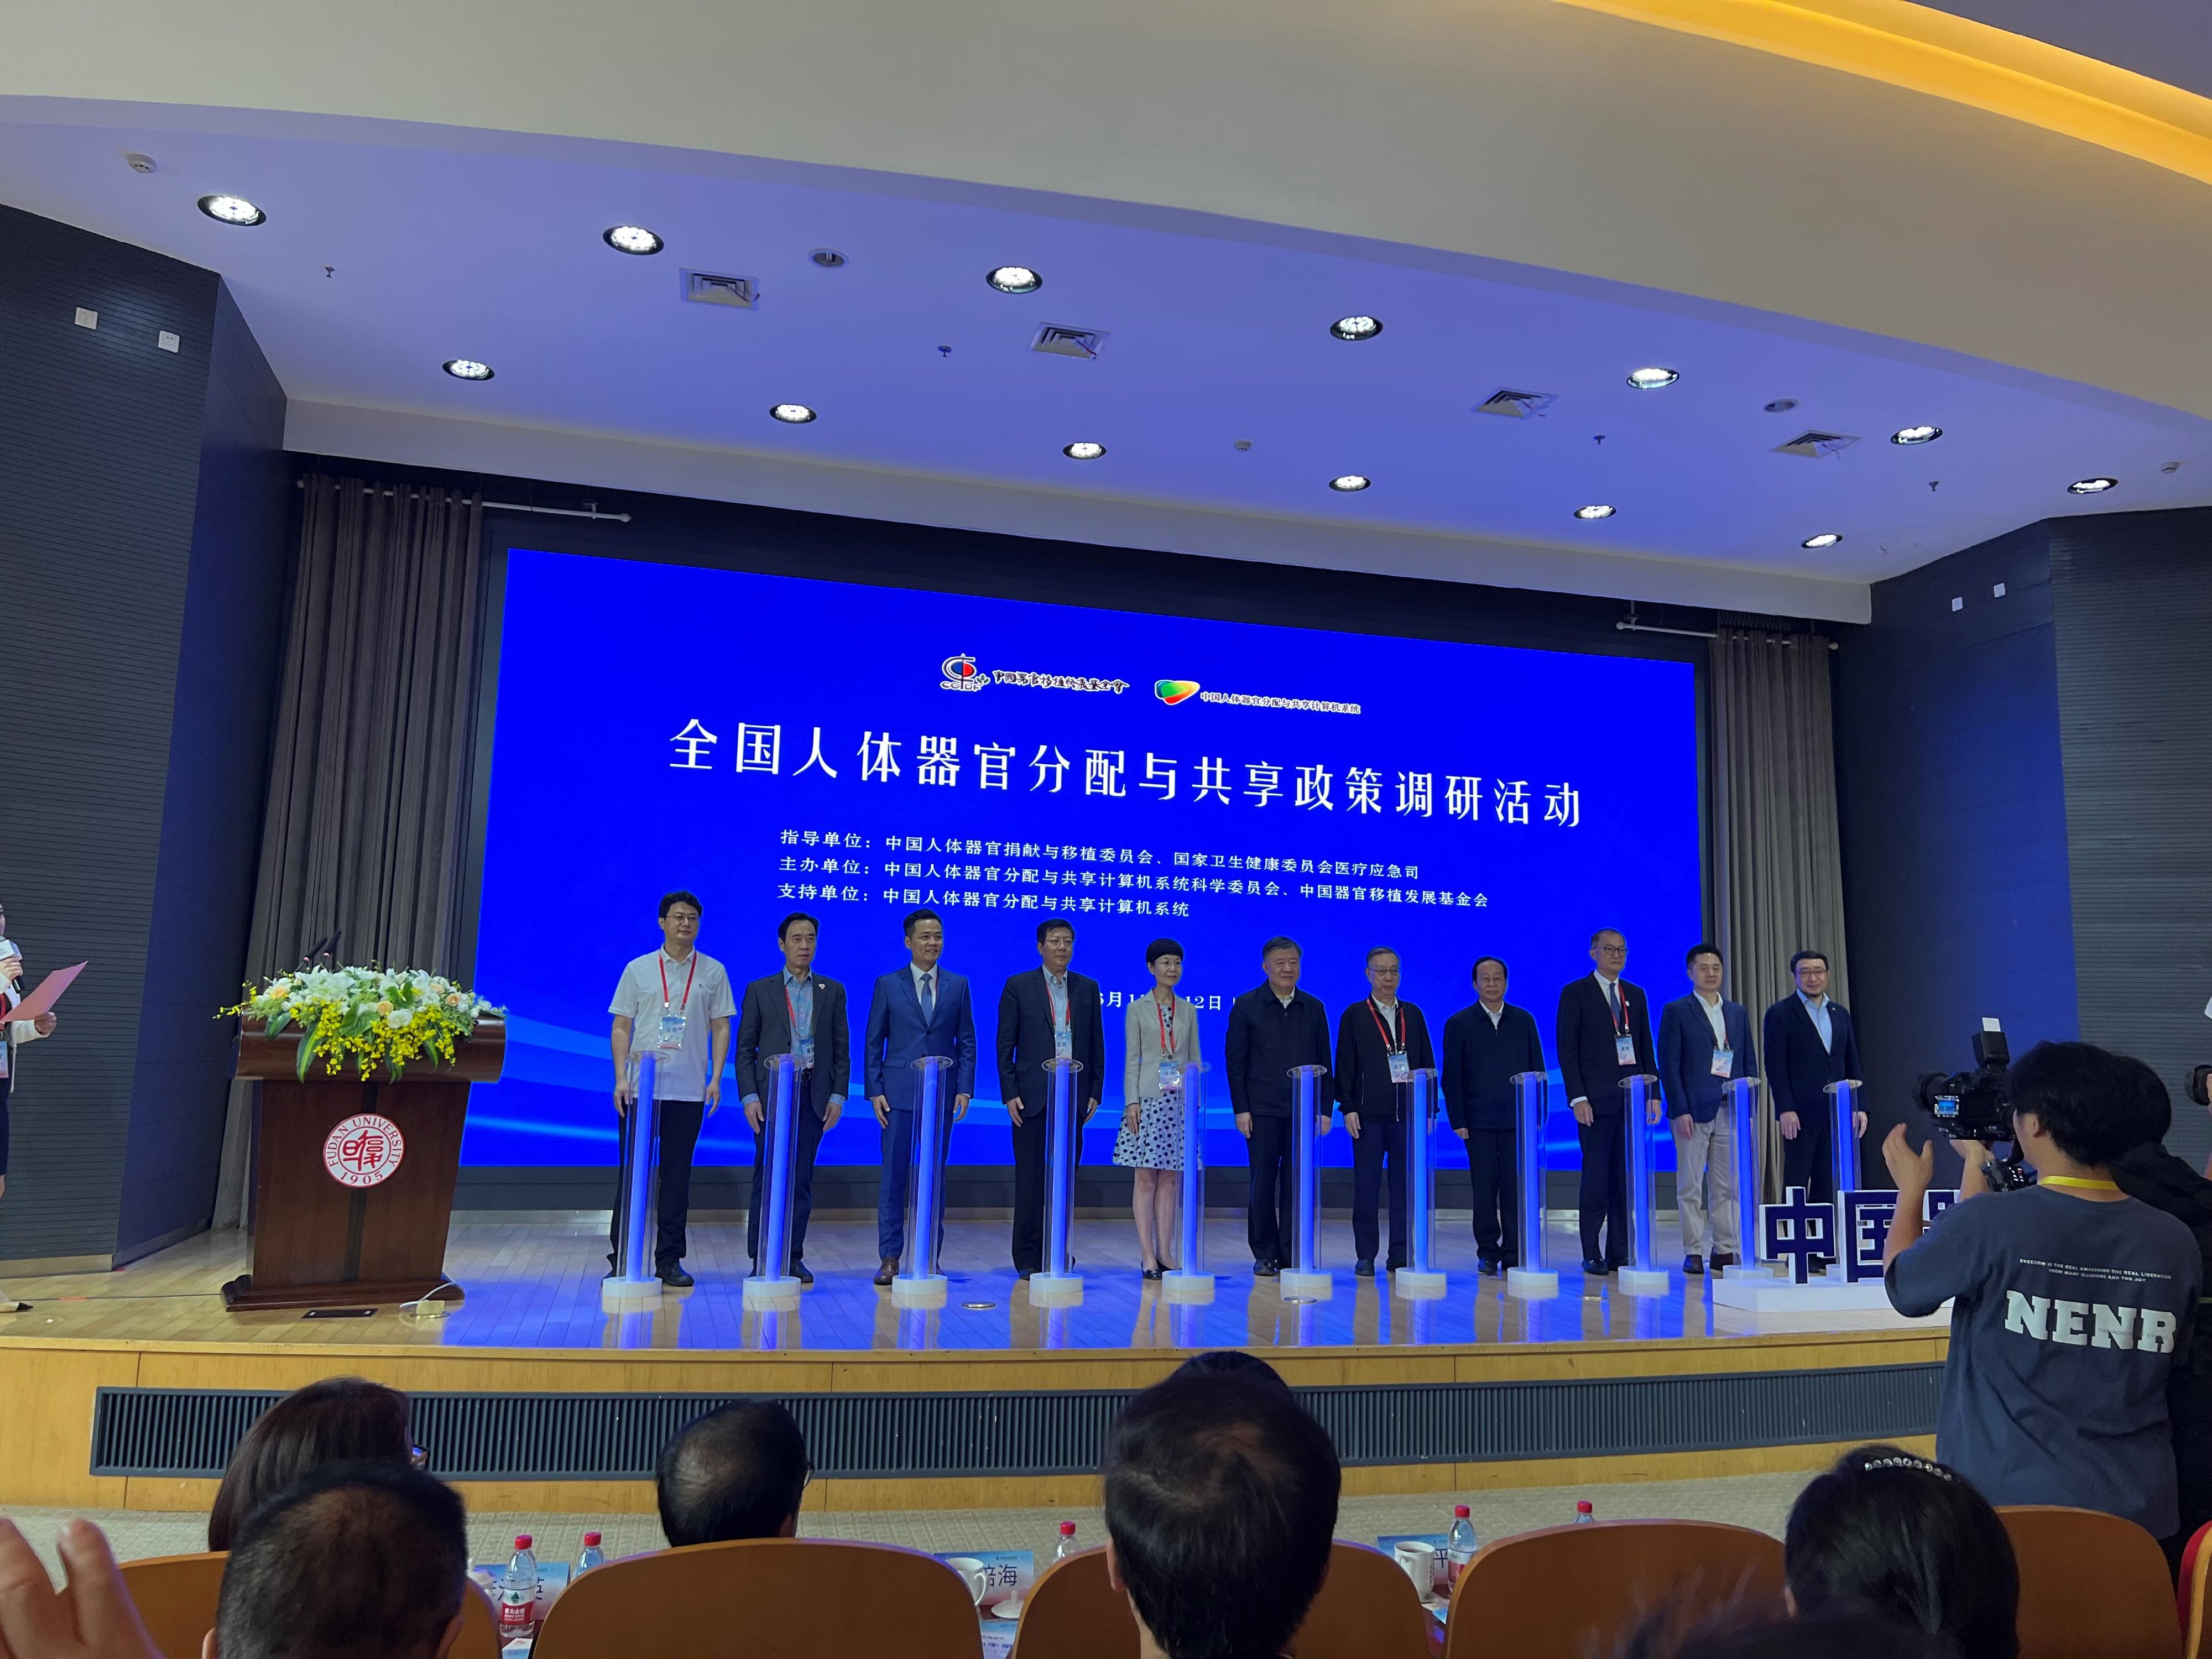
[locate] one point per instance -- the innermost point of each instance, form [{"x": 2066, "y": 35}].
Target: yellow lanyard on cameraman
[{"x": 2082, "y": 1181}]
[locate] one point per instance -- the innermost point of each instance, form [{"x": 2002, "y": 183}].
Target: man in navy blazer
[
  {"x": 1603, "y": 1034},
  {"x": 919, "y": 1010},
  {"x": 1810, "y": 1043},
  {"x": 1704, "y": 1040},
  {"x": 1039, "y": 1011}
]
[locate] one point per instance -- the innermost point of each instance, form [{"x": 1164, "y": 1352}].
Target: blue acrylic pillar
[
  {"x": 1642, "y": 1276},
  {"x": 1742, "y": 1109},
  {"x": 1529, "y": 1277},
  {"x": 772, "y": 1284},
  {"x": 1844, "y": 1094},
  {"x": 1057, "y": 1287},
  {"x": 1304, "y": 1276},
  {"x": 1421, "y": 1280},
  {"x": 633, "y": 1284},
  {"x": 1190, "y": 1282},
  {"x": 922, "y": 1285}
]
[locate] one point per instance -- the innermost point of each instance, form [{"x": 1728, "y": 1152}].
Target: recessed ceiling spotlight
[
  {"x": 1015, "y": 279},
  {"x": 1780, "y": 405},
  {"x": 467, "y": 369},
  {"x": 1084, "y": 450},
  {"x": 1356, "y": 328},
  {"x": 2090, "y": 486},
  {"x": 828, "y": 258},
  {"x": 631, "y": 239},
  {"x": 1651, "y": 379},
  {"x": 231, "y": 210},
  {"x": 791, "y": 414},
  {"x": 1349, "y": 481},
  {"x": 1595, "y": 512},
  {"x": 1916, "y": 434},
  {"x": 1826, "y": 539}
]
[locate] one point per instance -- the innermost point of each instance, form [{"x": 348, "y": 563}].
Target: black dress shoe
[
  {"x": 1364, "y": 1266},
  {"x": 1487, "y": 1268},
  {"x": 1151, "y": 1272},
  {"x": 799, "y": 1272},
  {"x": 1265, "y": 1270},
  {"x": 1593, "y": 1268},
  {"x": 674, "y": 1276},
  {"x": 1693, "y": 1263},
  {"x": 885, "y": 1269},
  {"x": 1722, "y": 1259}
]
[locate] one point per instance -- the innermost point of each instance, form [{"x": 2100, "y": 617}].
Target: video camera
[
  {"x": 1977, "y": 1106},
  {"x": 2198, "y": 1080}
]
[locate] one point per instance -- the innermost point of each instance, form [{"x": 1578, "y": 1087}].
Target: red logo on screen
[
  {"x": 364, "y": 1151},
  {"x": 960, "y": 674}
]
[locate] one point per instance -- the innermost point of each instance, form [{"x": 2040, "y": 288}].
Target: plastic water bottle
[
  {"x": 591, "y": 1556},
  {"x": 1584, "y": 1514},
  {"x": 1462, "y": 1545},
  {"x": 518, "y": 1593},
  {"x": 1067, "y": 1541}
]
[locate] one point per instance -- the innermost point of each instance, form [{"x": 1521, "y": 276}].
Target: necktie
[
  {"x": 928, "y": 997},
  {"x": 1612, "y": 996}
]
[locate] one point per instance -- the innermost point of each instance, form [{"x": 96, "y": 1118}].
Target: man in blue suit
[
  {"x": 919, "y": 1010},
  {"x": 1810, "y": 1043},
  {"x": 1704, "y": 1040}
]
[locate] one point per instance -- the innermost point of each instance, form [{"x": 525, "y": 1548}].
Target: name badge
[
  {"x": 806, "y": 1054},
  {"x": 1624, "y": 1050},
  {"x": 1170, "y": 1077},
  {"x": 1723, "y": 1061},
  {"x": 1399, "y": 1071},
  {"x": 1063, "y": 1043},
  {"x": 671, "y": 1033},
  {"x": 3, "y": 1053}
]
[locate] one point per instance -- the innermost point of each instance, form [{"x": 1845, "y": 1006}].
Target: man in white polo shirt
[{"x": 674, "y": 1003}]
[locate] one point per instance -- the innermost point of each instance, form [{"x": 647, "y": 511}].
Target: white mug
[
  {"x": 972, "y": 1574},
  {"x": 1418, "y": 1562}
]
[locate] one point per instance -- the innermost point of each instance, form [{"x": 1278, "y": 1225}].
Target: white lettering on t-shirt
[
  {"x": 2071, "y": 1326},
  {"x": 2027, "y": 1313},
  {"x": 2157, "y": 1333},
  {"x": 2116, "y": 1327}
]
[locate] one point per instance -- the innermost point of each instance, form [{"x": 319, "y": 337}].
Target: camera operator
[{"x": 2072, "y": 1301}]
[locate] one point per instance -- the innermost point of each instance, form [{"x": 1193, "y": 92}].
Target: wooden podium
[{"x": 354, "y": 1181}]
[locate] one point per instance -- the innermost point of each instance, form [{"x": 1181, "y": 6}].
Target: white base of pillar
[
  {"x": 1531, "y": 1284},
  {"x": 1418, "y": 1286},
  {"x": 1316, "y": 1287},
  {"x": 1750, "y": 1270},
  {"x": 1819, "y": 1296},
  {"x": 629, "y": 1295},
  {"x": 1645, "y": 1281},
  {"x": 1055, "y": 1290},
  {"x": 1186, "y": 1287},
  {"x": 776, "y": 1293},
  {"x": 918, "y": 1292}
]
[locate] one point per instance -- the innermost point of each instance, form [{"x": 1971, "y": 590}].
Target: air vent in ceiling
[
  {"x": 1813, "y": 444},
  {"x": 1064, "y": 341},
  {"x": 710, "y": 289},
  {"x": 1516, "y": 405}
]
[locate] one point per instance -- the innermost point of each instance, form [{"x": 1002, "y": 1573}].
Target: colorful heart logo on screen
[{"x": 1175, "y": 691}]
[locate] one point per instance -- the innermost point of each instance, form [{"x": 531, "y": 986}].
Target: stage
[{"x": 128, "y": 1388}]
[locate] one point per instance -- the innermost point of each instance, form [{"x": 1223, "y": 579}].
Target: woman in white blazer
[{"x": 1162, "y": 1027}]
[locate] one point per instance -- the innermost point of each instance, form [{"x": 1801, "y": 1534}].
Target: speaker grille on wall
[{"x": 189, "y": 1432}]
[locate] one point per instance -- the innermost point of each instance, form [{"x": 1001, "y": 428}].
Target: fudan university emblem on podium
[{"x": 364, "y": 1151}]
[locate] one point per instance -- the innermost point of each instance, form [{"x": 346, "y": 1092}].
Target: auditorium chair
[
  {"x": 2189, "y": 1595},
  {"x": 1366, "y": 1609},
  {"x": 1580, "y": 1588},
  {"x": 766, "y": 1595},
  {"x": 2091, "y": 1586},
  {"x": 176, "y": 1597}
]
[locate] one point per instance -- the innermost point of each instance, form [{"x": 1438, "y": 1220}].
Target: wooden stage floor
[{"x": 533, "y": 1284}]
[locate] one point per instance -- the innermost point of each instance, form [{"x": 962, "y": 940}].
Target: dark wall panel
[
  {"x": 1952, "y": 803},
  {"x": 2134, "y": 679},
  {"x": 235, "y": 597}
]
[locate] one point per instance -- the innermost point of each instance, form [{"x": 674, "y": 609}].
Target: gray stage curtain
[
  {"x": 1778, "y": 871},
  {"x": 370, "y": 774}
]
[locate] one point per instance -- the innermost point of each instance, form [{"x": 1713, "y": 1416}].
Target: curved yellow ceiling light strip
[{"x": 1946, "y": 57}]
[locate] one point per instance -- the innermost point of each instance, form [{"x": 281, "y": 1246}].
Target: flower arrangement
[{"x": 379, "y": 1018}]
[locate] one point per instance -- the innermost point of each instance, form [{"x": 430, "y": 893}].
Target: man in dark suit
[
  {"x": 1704, "y": 1040},
  {"x": 1044, "y": 1013},
  {"x": 1810, "y": 1043},
  {"x": 1273, "y": 1027},
  {"x": 919, "y": 1010},
  {"x": 1603, "y": 1035},
  {"x": 1380, "y": 1044},
  {"x": 796, "y": 1012},
  {"x": 1487, "y": 1045}
]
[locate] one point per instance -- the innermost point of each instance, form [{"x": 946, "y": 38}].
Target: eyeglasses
[{"x": 1613, "y": 950}]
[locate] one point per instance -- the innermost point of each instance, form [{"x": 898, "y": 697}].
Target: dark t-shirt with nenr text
[{"x": 2067, "y": 1314}]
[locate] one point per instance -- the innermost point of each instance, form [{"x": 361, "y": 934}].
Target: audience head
[
  {"x": 1233, "y": 1362},
  {"x": 2146, "y": 1104},
  {"x": 736, "y": 1473},
  {"x": 2081, "y": 1099},
  {"x": 339, "y": 1420},
  {"x": 1888, "y": 1535},
  {"x": 363, "y": 1560},
  {"x": 1731, "y": 1635},
  {"x": 1221, "y": 1499}
]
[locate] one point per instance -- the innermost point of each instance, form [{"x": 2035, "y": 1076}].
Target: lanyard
[
  {"x": 2082, "y": 1181},
  {"x": 1057, "y": 1006},
  {"x": 1166, "y": 1017},
  {"x": 1619, "y": 1020},
  {"x": 791, "y": 1012},
  {"x": 1393, "y": 1044},
  {"x": 682, "y": 1006}
]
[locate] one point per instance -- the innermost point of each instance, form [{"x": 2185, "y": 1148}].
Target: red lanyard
[
  {"x": 682, "y": 1006},
  {"x": 791, "y": 1013},
  {"x": 1395, "y": 1044},
  {"x": 1166, "y": 1017},
  {"x": 1619, "y": 1020}
]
